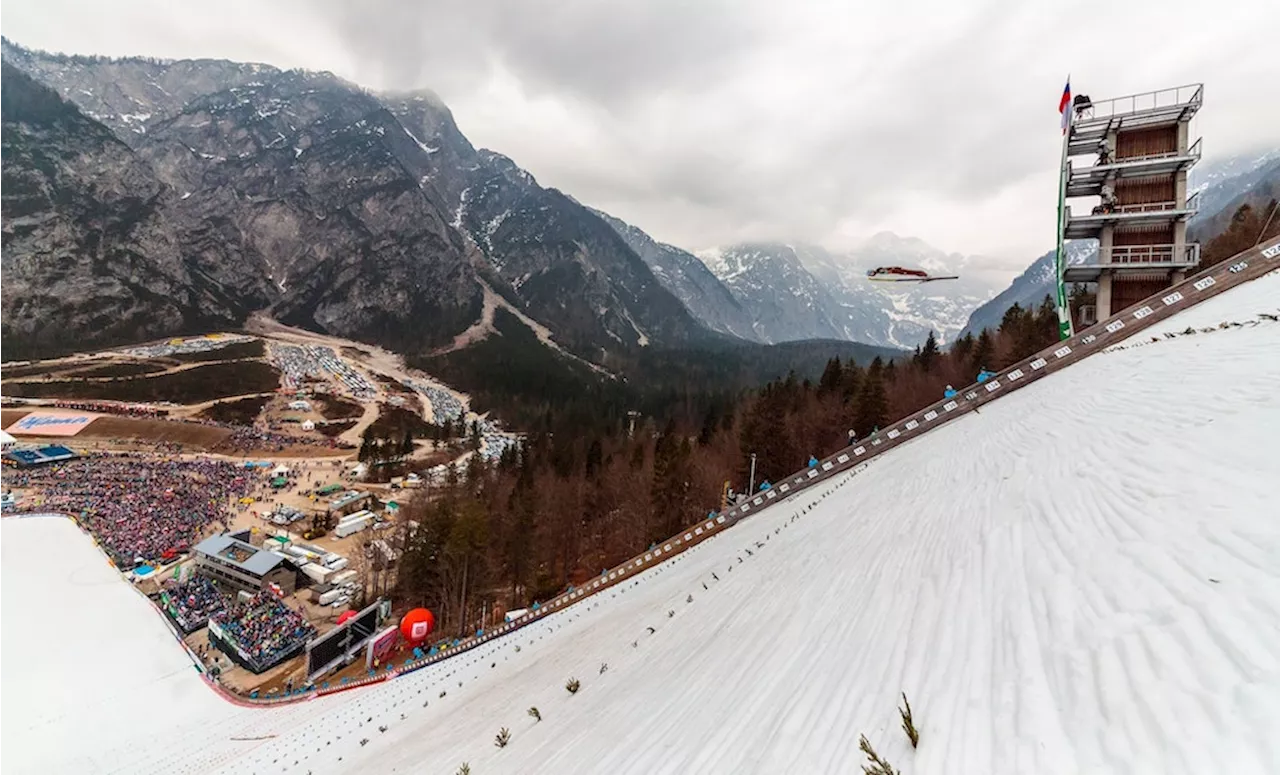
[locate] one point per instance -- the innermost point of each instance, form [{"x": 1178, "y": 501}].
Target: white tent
[
  {"x": 281, "y": 470},
  {"x": 308, "y": 425},
  {"x": 6, "y": 441}
]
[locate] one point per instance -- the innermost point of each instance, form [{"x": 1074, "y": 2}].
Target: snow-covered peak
[{"x": 801, "y": 291}]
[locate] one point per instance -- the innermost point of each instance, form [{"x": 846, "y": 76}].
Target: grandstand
[
  {"x": 259, "y": 633},
  {"x": 29, "y": 458}
]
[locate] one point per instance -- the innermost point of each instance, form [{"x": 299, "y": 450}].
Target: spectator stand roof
[
  {"x": 34, "y": 457},
  {"x": 258, "y": 562}
]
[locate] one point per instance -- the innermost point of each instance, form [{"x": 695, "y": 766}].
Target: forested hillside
[{"x": 578, "y": 499}]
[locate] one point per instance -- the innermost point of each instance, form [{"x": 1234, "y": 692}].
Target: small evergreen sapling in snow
[
  {"x": 908, "y": 725},
  {"x": 465, "y": 769},
  {"x": 534, "y": 712},
  {"x": 877, "y": 766},
  {"x": 503, "y": 737},
  {"x": 573, "y": 686}
]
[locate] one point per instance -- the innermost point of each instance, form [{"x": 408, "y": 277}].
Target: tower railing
[
  {"x": 1161, "y": 100},
  {"x": 1167, "y": 255}
]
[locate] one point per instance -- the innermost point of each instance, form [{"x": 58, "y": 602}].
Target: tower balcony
[
  {"x": 1088, "y": 181},
  {"x": 1143, "y": 214},
  {"x": 1137, "y": 258},
  {"x": 1094, "y": 121}
]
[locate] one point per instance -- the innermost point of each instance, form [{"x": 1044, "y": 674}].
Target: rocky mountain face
[
  {"x": 690, "y": 280},
  {"x": 368, "y": 216},
  {"x": 803, "y": 291},
  {"x": 785, "y": 301},
  {"x": 1226, "y": 186},
  {"x": 545, "y": 252},
  {"x": 1223, "y": 187},
  {"x": 90, "y": 252}
]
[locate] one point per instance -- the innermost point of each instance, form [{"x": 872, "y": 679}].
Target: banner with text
[{"x": 51, "y": 424}]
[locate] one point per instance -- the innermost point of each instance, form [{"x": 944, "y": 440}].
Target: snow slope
[
  {"x": 1082, "y": 578},
  {"x": 1243, "y": 304}
]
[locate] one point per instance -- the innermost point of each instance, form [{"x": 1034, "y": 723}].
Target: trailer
[
  {"x": 354, "y": 526},
  {"x": 352, "y": 517},
  {"x": 329, "y": 597},
  {"x": 301, "y": 553},
  {"x": 318, "y": 573}
]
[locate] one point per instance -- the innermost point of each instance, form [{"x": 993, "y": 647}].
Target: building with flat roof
[
  {"x": 349, "y": 502},
  {"x": 243, "y": 565}
]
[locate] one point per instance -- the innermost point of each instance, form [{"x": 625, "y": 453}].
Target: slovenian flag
[{"x": 1064, "y": 106}]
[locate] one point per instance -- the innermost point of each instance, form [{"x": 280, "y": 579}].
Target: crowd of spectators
[
  {"x": 264, "y": 628},
  {"x": 137, "y": 506},
  {"x": 246, "y": 438},
  {"x": 112, "y": 407},
  {"x": 194, "y": 601}
]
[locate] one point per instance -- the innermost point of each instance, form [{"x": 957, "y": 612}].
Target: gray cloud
[
  {"x": 715, "y": 121},
  {"x": 604, "y": 53}
]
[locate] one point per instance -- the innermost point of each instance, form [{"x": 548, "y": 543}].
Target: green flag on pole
[{"x": 1060, "y": 260}]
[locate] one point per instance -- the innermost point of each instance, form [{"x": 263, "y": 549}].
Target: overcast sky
[{"x": 708, "y": 121}]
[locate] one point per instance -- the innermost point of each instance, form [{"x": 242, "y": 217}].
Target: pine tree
[
  {"x": 830, "y": 380},
  {"x": 928, "y": 356},
  {"x": 710, "y": 421},
  {"x": 873, "y": 403},
  {"x": 984, "y": 350},
  {"x": 670, "y": 489},
  {"x": 851, "y": 381},
  {"x": 519, "y": 547},
  {"x": 963, "y": 348},
  {"x": 595, "y": 459}
]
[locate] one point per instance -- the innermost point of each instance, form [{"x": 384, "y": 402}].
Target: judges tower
[{"x": 1141, "y": 152}]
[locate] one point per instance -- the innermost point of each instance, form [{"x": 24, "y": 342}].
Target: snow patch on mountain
[{"x": 798, "y": 291}]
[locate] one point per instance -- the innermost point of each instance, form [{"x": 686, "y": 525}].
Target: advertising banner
[
  {"x": 51, "y": 424},
  {"x": 381, "y": 645}
]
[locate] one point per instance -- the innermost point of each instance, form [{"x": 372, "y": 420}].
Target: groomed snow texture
[{"x": 1084, "y": 578}]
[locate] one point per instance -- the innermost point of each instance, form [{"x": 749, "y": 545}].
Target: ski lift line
[{"x": 1243, "y": 267}]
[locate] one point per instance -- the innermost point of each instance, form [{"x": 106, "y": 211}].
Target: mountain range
[
  {"x": 146, "y": 198},
  {"x": 154, "y": 197},
  {"x": 792, "y": 286},
  {"x": 205, "y": 190}
]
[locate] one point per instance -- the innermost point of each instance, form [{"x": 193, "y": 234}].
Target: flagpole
[{"x": 1065, "y": 330}]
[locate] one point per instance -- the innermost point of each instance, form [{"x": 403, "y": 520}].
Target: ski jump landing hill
[{"x": 1082, "y": 579}]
